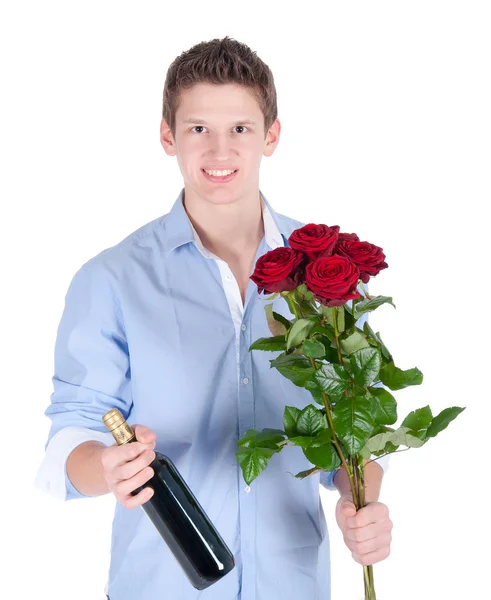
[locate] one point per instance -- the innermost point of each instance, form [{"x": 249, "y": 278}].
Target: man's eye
[{"x": 201, "y": 127}]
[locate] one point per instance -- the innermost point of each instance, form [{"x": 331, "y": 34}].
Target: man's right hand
[{"x": 126, "y": 467}]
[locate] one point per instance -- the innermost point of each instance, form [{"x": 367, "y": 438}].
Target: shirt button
[
  {"x": 245, "y": 380},
  {"x": 243, "y": 327},
  {"x": 229, "y": 276},
  {"x": 247, "y": 489}
]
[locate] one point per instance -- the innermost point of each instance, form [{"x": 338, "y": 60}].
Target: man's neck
[{"x": 231, "y": 231}]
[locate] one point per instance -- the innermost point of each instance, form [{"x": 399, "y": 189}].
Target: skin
[
  {"x": 229, "y": 222},
  {"x": 367, "y": 533},
  {"x": 227, "y": 216}
]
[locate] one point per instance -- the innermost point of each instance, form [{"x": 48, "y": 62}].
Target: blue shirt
[{"x": 155, "y": 327}]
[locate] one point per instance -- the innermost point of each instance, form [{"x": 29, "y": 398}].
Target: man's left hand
[{"x": 366, "y": 532}]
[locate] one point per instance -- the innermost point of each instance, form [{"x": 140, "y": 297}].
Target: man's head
[{"x": 210, "y": 93}]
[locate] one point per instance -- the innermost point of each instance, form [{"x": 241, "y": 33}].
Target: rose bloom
[
  {"x": 316, "y": 241},
  {"x": 333, "y": 280},
  {"x": 279, "y": 270},
  {"x": 369, "y": 258}
]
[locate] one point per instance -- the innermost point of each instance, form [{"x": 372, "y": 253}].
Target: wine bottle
[{"x": 178, "y": 516}]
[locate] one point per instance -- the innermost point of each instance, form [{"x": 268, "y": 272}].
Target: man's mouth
[{"x": 222, "y": 176}]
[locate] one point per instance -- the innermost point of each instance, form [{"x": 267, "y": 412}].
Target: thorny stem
[{"x": 356, "y": 478}]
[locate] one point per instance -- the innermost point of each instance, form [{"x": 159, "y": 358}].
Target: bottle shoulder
[{"x": 162, "y": 459}]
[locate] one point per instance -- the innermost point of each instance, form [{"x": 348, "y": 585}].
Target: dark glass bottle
[{"x": 178, "y": 516}]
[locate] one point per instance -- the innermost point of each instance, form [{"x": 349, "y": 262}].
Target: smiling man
[
  {"x": 224, "y": 209},
  {"x": 159, "y": 327}
]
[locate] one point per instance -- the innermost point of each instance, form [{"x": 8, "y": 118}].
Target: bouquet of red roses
[{"x": 342, "y": 365}]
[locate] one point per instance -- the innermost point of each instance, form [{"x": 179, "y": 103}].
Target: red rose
[
  {"x": 333, "y": 280},
  {"x": 316, "y": 241},
  {"x": 343, "y": 237},
  {"x": 370, "y": 259},
  {"x": 279, "y": 270}
]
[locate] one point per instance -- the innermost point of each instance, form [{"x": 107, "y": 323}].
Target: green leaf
[
  {"x": 353, "y": 422},
  {"x": 299, "y": 332},
  {"x": 277, "y": 324},
  {"x": 369, "y": 305},
  {"x": 253, "y": 461},
  {"x": 322, "y": 453},
  {"x": 267, "y": 438},
  {"x": 316, "y": 392},
  {"x": 377, "y": 442},
  {"x": 354, "y": 342},
  {"x": 326, "y": 312},
  {"x": 313, "y": 348},
  {"x": 418, "y": 419},
  {"x": 378, "y": 340},
  {"x": 400, "y": 437},
  {"x": 332, "y": 379},
  {"x": 331, "y": 354},
  {"x": 290, "y": 418},
  {"x": 397, "y": 379},
  {"x": 304, "y": 293},
  {"x": 294, "y": 367},
  {"x": 384, "y": 406},
  {"x": 403, "y": 436},
  {"x": 274, "y": 344},
  {"x": 310, "y": 421},
  {"x": 304, "y": 474},
  {"x": 440, "y": 422},
  {"x": 302, "y": 440},
  {"x": 326, "y": 331},
  {"x": 365, "y": 365}
]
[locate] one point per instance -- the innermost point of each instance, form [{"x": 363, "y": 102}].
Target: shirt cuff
[
  {"x": 51, "y": 476},
  {"x": 327, "y": 477}
]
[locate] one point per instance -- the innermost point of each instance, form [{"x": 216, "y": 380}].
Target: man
[{"x": 159, "y": 327}]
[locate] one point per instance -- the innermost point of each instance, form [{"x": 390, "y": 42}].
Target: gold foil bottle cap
[
  {"x": 118, "y": 426},
  {"x": 113, "y": 419}
]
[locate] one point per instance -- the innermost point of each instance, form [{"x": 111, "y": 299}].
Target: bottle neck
[{"x": 123, "y": 434}]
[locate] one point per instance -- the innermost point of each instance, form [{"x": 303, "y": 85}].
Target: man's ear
[
  {"x": 272, "y": 138},
  {"x": 167, "y": 139}
]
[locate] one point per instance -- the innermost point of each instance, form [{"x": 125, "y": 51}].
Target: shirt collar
[{"x": 179, "y": 229}]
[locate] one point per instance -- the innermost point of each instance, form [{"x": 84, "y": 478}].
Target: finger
[
  {"x": 372, "y": 557},
  {"x": 128, "y": 452},
  {"x": 124, "y": 488},
  {"x": 144, "y": 434},
  {"x": 371, "y": 513},
  {"x": 371, "y": 545},
  {"x": 134, "y": 501},
  {"x": 131, "y": 468},
  {"x": 361, "y": 534}
]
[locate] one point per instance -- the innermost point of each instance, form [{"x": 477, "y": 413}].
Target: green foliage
[
  {"x": 294, "y": 367},
  {"x": 277, "y": 324},
  {"x": 353, "y": 422},
  {"x": 274, "y": 344},
  {"x": 441, "y": 421},
  {"x": 396, "y": 378},
  {"x": 341, "y": 372}
]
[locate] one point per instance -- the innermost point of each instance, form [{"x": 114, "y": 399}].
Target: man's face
[{"x": 219, "y": 127}]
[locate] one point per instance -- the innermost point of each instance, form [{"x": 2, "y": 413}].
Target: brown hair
[{"x": 220, "y": 61}]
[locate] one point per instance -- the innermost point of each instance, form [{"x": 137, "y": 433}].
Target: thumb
[
  {"x": 348, "y": 508},
  {"x": 144, "y": 434}
]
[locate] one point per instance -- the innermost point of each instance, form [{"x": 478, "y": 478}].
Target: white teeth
[{"x": 219, "y": 173}]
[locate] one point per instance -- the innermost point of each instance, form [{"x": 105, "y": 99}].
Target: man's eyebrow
[{"x": 202, "y": 122}]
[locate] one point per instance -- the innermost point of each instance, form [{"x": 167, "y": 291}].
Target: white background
[{"x": 385, "y": 112}]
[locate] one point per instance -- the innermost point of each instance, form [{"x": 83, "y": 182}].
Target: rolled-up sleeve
[{"x": 92, "y": 374}]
